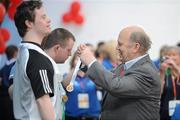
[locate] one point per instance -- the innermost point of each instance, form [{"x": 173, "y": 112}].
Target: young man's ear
[
  {"x": 28, "y": 24},
  {"x": 57, "y": 48}
]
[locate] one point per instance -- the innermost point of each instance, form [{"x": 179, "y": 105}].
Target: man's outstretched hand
[{"x": 85, "y": 54}]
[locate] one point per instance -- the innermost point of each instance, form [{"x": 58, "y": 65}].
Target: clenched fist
[{"x": 85, "y": 53}]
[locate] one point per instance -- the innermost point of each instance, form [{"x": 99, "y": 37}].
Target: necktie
[{"x": 121, "y": 71}]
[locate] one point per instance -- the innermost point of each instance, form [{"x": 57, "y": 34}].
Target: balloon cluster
[
  {"x": 4, "y": 33},
  {"x": 2, "y": 12},
  {"x": 12, "y": 8},
  {"x": 73, "y": 15}
]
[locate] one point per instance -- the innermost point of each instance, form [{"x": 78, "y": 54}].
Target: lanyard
[
  {"x": 178, "y": 78},
  {"x": 82, "y": 82},
  {"x": 167, "y": 74},
  {"x": 82, "y": 85},
  {"x": 174, "y": 87},
  {"x": 63, "y": 111}
]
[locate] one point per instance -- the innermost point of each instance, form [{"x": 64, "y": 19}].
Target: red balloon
[
  {"x": 11, "y": 12},
  {"x": 2, "y": 12},
  {"x": 75, "y": 7},
  {"x": 16, "y": 2},
  {"x": 2, "y": 45},
  {"x": 79, "y": 19},
  {"x": 67, "y": 17},
  {"x": 5, "y": 34}
]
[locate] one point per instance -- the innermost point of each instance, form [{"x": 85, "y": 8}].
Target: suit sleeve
[{"x": 133, "y": 84}]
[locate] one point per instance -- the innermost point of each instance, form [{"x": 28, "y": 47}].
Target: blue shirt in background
[
  {"x": 83, "y": 85},
  {"x": 4, "y": 74},
  {"x": 157, "y": 63},
  {"x": 107, "y": 64}
]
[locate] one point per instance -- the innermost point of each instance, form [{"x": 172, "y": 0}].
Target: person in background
[
  {"x": 163, "y": 51},
  {"x": 110, "y": 60},
  {"x": 178, "y": 44},
  {"x": 6, "y": 109},
  {"x": 100, "y": 53},
  {"x": 170, "y": 77},
  {"x": 133, "y": 88},
  {"x": 82, "y": 103}
]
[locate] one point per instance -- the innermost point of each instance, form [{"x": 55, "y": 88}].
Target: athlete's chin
[{"x": 48, "y": 30}]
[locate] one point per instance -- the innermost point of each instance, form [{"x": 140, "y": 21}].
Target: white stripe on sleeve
[
  {"x": 43, "y": 80},
  {"x": 47, "y": 81}
]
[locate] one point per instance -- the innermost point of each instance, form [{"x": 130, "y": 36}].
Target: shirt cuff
[{"x": 91, "y": 63}]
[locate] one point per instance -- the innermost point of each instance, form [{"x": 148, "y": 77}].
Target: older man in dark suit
[{"x": 133, "y": 88}]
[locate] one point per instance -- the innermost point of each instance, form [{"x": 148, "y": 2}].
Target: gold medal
[
  {"x": 64, "y": 98},
  {"x": 70, "y": 87}
]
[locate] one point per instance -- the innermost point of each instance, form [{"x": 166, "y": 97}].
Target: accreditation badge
[
  {"x": 83, "y": 101},
  {"x": 172, "y": 106},
  {"x": 99, "y": 95}
]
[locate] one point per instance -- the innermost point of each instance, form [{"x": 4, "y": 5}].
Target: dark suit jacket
[{"x": 134, "y": 96}]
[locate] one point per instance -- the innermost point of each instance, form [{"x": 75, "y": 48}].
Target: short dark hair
[
  {"x": 178, "y": 44},
  {"x": 26, "y": 11},
  {"x": 10, "y": 51},
  {"x": 97, "y": 52},
  {"x": 57, "y": 36}
]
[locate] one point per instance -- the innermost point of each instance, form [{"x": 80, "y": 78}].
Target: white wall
[{"x": 105, "y": 18}]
